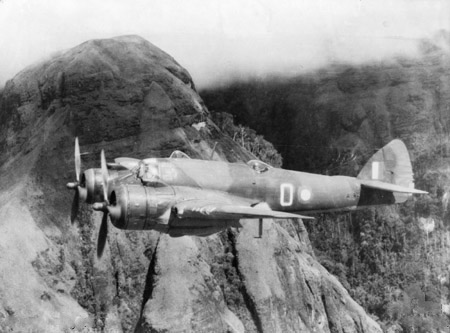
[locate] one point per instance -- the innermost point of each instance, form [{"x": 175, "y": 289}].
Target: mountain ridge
[{"x": 126, "y": 97}]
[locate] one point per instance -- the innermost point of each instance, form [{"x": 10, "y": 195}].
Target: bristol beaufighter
[{"x": 182, "y": 196}]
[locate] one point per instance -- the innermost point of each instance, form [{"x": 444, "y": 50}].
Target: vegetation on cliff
[{"x": 394, "y": 260}]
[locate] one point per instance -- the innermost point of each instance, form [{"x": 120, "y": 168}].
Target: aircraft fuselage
[{"x": 281, "y": 190}]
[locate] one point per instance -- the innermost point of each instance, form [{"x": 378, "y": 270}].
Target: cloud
[{"x": 216, "y": 40}]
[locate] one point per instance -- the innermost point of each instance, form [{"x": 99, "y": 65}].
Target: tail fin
[{"x": 391, "y": 164}]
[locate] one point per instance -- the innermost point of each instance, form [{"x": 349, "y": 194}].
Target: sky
[{"x": 217, "y": 40}]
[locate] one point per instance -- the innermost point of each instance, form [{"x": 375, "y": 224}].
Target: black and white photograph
[{"x": 197, "y": 166}]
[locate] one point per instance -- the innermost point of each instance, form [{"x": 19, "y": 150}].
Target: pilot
[
  {"x": 148, "y": 172},
  {"x": 259, "y": 167}
]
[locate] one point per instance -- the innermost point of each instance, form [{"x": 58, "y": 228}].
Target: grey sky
[{"x": 216, "y": 39}]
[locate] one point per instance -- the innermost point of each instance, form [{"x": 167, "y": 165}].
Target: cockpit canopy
[
  {"x": 157, "y": 171},
  {"x": 259, "y": 166},
  {"x": 179, "y": 154}
]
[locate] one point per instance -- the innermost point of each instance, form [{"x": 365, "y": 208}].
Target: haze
[{"x": 219, "y": 40}]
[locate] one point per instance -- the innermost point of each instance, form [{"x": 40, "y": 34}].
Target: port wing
[{"x": 203, "y": 209}]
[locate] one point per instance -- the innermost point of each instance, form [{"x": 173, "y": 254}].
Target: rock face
[{"x": 126, "y": 96}]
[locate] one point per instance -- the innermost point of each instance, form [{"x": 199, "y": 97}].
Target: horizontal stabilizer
[
  {"x": 210, "y": 210},
  {"x": 389, "y": 187}
]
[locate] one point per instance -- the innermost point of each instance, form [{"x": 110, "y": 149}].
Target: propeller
[
  {"x": 103, "y": 232},
  {"x": 77, "y": 160},
  {"x": 102, "y": 235},
  {"x": 75, "y": 207},
  {"x": 105, "y": 207},
  {"x": 105, "y": 176},
  {"x": 79, "y": 190}
]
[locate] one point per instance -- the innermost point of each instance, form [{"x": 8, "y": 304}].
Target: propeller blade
[
  {"x": 77, "y": 160},
  {"x": 102, "y": 235},
  {"x": 75, "y": 206},
  {"x": 105, "y": 176}
]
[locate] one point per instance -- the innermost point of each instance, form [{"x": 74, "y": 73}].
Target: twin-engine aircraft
[{"x": 182, "y": 196}]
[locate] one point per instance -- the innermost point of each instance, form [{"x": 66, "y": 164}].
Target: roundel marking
[{"x": 304, "y": 194}]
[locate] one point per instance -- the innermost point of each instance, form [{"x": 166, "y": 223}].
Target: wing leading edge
[{"x": 202, "y": 209}]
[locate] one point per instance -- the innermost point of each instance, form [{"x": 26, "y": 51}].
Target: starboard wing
[
  {"x": 203, "y": 209},
  {"x": 127, "y": 162}
]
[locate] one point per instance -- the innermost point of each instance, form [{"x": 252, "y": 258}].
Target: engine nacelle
[
  {"x": 137, "y": 207},
  {"x": 92, "y": 181}
]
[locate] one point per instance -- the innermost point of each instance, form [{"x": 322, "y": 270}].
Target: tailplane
[{"x": 390, "y": 169}]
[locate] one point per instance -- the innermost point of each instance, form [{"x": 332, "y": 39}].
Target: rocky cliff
[{"x": 126, "y": 96}]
